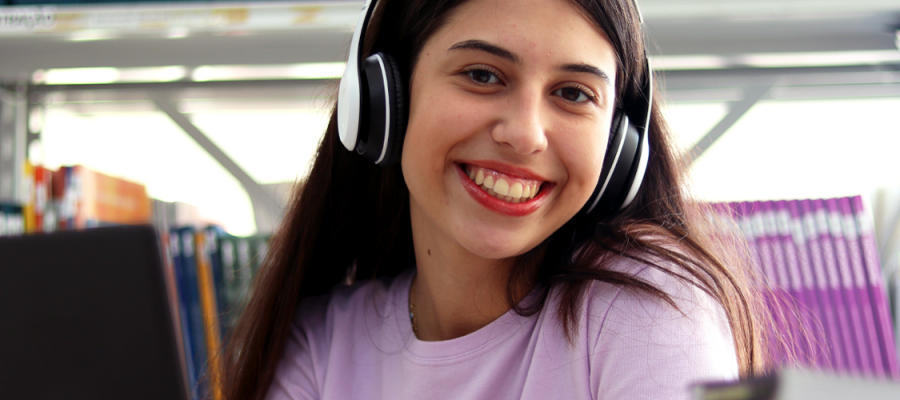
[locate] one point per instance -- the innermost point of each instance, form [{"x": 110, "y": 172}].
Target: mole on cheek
[{"x": 429, "y": 252}]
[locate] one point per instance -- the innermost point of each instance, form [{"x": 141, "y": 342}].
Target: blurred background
[
  {"x": 193, "y": 112},
  {"x": 220, "y": 105}
]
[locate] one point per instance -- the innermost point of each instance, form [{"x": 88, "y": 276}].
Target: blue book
[
  {"x": 213, "y": 253},
  {"x": 195, "y": 311},
  {"x": 183, "y": 307}
]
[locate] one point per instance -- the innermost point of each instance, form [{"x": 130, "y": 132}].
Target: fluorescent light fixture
[
  {"x": 75, "y": 76},
  {"x": 178, "y": 33},
  {"x": 776, "y": 60},
  {"x": 152, "y": 74},
  {"x": 332, "y": 70},
  {"x": 817, "y": 59},
  {"x": 90, "y": 35},
  {"x": 670, "y": 63},
  {"x": 83, "y": 76}
]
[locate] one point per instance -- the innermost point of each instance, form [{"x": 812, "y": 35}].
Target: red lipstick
[{"x": 500, "y": 206}]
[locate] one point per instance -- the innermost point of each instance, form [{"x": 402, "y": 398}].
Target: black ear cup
[
  {"x": 383, "y": 120},
  {"x": 397, "y": 100},
  {"x": 618, "y": 167}
]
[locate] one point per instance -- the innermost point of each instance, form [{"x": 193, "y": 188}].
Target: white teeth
[
  {"x": 489, "y": 182},
  {"x": 516, "y": 190},
  {"x": 502, "y": 187}
]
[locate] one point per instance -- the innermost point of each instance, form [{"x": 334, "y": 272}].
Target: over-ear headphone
[{"x": 372, "y": 121}]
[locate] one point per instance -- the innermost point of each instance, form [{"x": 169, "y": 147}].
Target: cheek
[
  {"x": 583, "y": 155},
  {"x": 434, "y": 131}
]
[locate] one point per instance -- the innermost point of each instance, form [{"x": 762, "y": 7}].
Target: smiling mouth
[{"x": 511, "y": 189}]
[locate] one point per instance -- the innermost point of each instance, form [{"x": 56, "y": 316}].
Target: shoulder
[
  {"x": 321, "y": 328},
  {"x": 345, "y": 306},
  {"x": 644, "y": 347}
]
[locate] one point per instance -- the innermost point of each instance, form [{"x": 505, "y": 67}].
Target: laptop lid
[{"x": 85, "y": 315}]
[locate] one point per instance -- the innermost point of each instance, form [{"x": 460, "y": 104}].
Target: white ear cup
[{"x": 349, "y": 92}]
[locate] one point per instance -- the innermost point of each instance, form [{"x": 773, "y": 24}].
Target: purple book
[
  {"x": 839, "y": 297},
  {"x": 804, "y": 307},
  {"x": 875, "y": 284},
  {"x": 763, "y": 244},
  {"x": 845, "y": 273},
  {"x": 814, "y": 321},
  {"x": 860, "y": 287},
  {"x": 774, "y": 293},
  {"x": 742, "y": 218},
  {"x": 824, "y": 290},
  {"x": 784, "y": 296}
]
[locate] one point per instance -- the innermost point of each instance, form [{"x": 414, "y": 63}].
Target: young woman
[{"x": 471, "y": 269}]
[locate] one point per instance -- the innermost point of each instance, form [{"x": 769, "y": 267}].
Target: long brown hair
[{"x": 351, "y": 219}]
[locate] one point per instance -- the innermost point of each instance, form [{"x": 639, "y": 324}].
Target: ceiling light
[
  {"x": 776, "y": 60},
  {"x": 332, "y": 70},
  {"x": 83, "y": 76},
  {"x": 90, "y": 35}
]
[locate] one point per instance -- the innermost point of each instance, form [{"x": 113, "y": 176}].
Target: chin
[{"x": 496, "y": 244}]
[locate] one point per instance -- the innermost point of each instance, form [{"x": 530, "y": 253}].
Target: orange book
[
  {"x": 207, "y": 292},
  {"x": 106, "y": 199},
  {"x": 28, "y": 208}
]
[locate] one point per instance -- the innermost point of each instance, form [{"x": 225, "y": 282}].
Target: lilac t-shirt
[{"x": 357, "y": 343}]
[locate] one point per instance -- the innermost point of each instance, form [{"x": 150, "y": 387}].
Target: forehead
[{"x": 539, "y": 30}]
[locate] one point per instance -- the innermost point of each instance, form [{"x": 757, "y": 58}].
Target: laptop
[{"x": 86, "y": 315}]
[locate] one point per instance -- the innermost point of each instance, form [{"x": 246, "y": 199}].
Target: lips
[{"x": 504, "y": 189}]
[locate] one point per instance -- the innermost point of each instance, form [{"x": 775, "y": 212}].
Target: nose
[{"x": 522, "y": 126}]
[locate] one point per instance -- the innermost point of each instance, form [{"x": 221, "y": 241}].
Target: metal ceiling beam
[
  {"x": 736, "y": 110},
  {"x": 266, "y": 209}
]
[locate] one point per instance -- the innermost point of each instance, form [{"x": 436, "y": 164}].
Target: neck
[{"x": 456, "y": 292}]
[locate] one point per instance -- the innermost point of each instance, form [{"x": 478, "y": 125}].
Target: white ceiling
[{"x": 304, "y": 31}]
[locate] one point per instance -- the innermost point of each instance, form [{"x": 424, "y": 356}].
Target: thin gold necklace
[{"x": 412, "y": 311}]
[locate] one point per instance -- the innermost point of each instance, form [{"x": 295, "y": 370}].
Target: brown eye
[
  {"x": 482, "y": 76},
  {"x": 574, "y": 95}
]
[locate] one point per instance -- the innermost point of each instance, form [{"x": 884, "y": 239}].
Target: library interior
[{"x": 199, "y": 118}]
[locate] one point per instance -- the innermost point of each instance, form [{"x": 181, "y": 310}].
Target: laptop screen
[{"x": 85, "y": 315}]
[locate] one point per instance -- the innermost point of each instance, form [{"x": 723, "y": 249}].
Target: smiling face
[{"x": 510, "y": 107}]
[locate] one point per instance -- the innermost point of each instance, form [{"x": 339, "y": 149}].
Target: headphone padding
[
  {"x": 398, "y": 110},
  {"x": 616, "y": 136}
]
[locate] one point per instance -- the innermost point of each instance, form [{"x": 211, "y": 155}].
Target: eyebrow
[
  {"x": 587, "y": 69},
  {"x": 481, "y": 45},
  {"x": 486, "y": 47}
]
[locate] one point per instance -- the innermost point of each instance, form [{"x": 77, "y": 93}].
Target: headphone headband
[
  {"x": 349, "y": 94},
  {"x": 371, "y": 119}
]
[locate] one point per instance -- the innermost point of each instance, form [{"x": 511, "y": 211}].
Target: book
[
  {"x": 876, "y": 290},
  {"x": 815, "y": 324},
  {"x": 845, "y": 274},
  {"x": 860, "y": 286},
  {"x": 210, "y": 315},
  {"x": 187, "y": 338},
  {"x": 834, "y": 342},
  {"x": 803, "y": 317},
  {"x": 836, "y": 290},
  {"x": 194, "y": 310},
  {"x": 172, "y": 291},
  {"x": 213, "y": 253},
  {"x": 797, "y": 384},
  {"x": 228, "y": 257}
]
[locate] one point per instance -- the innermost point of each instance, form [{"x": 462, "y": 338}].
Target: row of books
[
  {"x": 209, "y": 275},
  {"x": 74, "y": 197},
  {"x": 822, "y": 257},
  {"x": 12, "y": 220}
]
